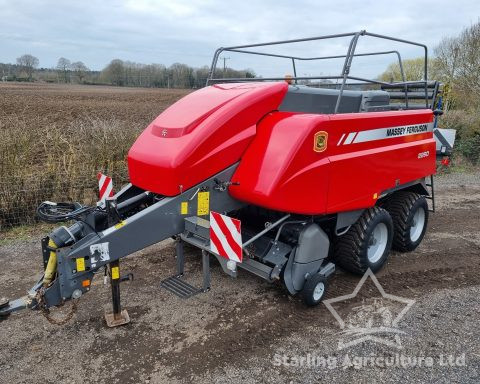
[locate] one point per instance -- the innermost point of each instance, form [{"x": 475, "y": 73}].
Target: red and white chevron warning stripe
[
  {"x": 226, "y": 237},
  {"x": 105, "y": 186}
]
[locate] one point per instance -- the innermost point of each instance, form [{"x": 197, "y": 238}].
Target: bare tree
[
  {"x": 80, "y": 70},
  {"x": 28, "y": 63},
  {"x": 182, "y": 75},
  {"x": 459, "y": 59},
  {"x": 63, "y": 66},
  {"x": 114, "y": 72},
  {"x": 200, "y": 76}
]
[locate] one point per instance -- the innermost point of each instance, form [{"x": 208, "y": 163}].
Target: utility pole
[{"x": 224, "y": 64}]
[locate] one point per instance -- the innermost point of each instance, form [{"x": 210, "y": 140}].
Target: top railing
[{"x": 345, "y": 73}]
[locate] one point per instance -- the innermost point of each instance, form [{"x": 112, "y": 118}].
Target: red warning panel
[
  {"x": 105, "y": 186},
  {"x": 226, "y": 237}
]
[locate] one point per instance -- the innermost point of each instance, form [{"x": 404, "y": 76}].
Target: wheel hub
[
  {"x": 418, "y": 222},
  {"x": 318, "y": 291},
  {"x": 377, "y": 243}
]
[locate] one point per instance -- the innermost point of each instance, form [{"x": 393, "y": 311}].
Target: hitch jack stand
[
  {"x": 118, "y": 316},
  {"x": 180, "y": 257},
  {"x": 206, "y": 270}
]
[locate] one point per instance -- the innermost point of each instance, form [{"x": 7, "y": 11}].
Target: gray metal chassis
[
  {"x": 160, "y": 221},
  {"x": 149, "y": 226}
]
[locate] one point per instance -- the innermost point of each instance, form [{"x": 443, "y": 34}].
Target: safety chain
[
  {"x": 46, "y": 311},
  {"x": 251, "y": 250}
]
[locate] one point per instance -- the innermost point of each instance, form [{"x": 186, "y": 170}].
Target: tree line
[
  {"x": 117, "y": 72},
  {"x": 457, "y": 65}
]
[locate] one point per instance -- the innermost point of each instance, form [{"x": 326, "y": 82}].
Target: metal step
[{"x": 179, "y": 287}]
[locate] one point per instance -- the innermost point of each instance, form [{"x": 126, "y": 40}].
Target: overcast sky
[{"x": 159, "y": 31}]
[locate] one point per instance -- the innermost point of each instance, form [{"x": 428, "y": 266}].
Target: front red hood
[
  {"x": 200, "y": 135},
  {"x": 200, "y": 105}
]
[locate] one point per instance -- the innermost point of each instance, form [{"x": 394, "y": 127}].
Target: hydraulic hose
[
  {"x": 57, "y": 212},
  {"x": 51, "y": 268}
]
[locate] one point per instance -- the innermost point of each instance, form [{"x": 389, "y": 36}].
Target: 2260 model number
[{"x": 421, "y": 155}]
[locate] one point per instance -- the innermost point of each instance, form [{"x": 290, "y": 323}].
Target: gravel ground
[{"x": 244, "y": 329}]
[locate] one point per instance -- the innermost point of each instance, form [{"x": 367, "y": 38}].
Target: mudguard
[{"x": 306, "y": 258}]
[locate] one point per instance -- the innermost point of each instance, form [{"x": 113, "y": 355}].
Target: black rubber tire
[
  {"x": 309, "y": 288},
  {"x": 351, "y": 249},
  {"x": 402, "y": 206}
]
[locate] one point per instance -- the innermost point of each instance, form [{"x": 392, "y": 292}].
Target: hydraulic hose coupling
[{"x": 58, "y": 238}]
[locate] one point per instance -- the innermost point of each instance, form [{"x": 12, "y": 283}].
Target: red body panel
[
  {"x": 200, "y": 135},
  {"x": 280, "y": 169},
  {"x": 213, "y": 128}
]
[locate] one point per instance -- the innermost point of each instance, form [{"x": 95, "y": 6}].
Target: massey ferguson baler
[{"x": 280, "y": 179}]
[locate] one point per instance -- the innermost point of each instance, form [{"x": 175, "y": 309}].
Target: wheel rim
[
  {"x": 378, "y": 243},
  {"x": 318, "y": 291},
  {"x": 417, "y": 225}
]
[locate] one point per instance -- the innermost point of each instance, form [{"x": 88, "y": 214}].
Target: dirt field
[
  {"x": 57, "y": 104},
  {"x": 55, "y": 138},
  {"x": 234, "y": 332}
]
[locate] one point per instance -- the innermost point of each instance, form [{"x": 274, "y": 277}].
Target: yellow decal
[
  {"x": 320, "y": 141},
  {"x": 375, "y": 196},
  {"x": 120, "y": 224},
  {"x": 184, "y": 208},
  {"x": 203, "y": 203},
  {"x": 115, "y": 273},
  {"x": 80, "y": 264}
]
